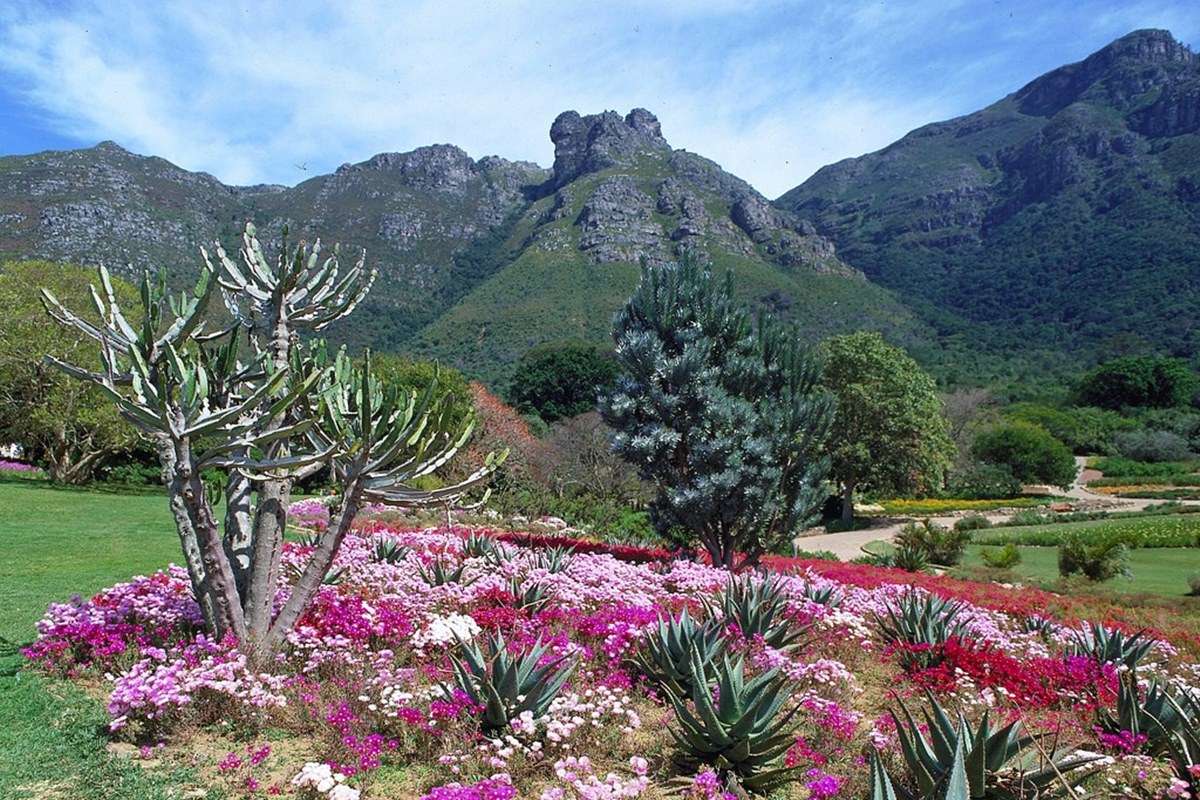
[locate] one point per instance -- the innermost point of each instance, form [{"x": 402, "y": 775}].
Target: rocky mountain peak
[
  {"x": 591, "y": 143},
  {"x": 1118, "y": 74}
]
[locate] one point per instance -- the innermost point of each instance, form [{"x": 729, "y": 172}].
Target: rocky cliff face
[
  {"x": 1078, "y": 187},
  {"x": 439, "y": 224}
]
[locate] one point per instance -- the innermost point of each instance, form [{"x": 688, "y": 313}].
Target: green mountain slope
[{"x": 1063, "y": 219}]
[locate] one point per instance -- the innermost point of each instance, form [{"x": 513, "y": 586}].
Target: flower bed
[{"x": 368, "y": 684}]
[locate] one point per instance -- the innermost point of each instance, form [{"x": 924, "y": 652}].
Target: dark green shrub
[
  {"x": 941, "y": 545},
  {"x": 1140, "y": 381},
  {"x": 1005, "y": 557},
  {"x": 1096, "y": 560},
  {"x": 1033, "y": 455},
  {"x": 1084, "y": 430},
  {"x": 561, "y": 380},
  {"x": 972, "y": 522},
  {"x": 819, "y": 555},
  {"x": 1194, "y": 584},
  {"x": 981, "y": 481}
]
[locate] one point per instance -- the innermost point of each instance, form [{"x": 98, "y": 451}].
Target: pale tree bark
[{"x": 314, "y": 573}]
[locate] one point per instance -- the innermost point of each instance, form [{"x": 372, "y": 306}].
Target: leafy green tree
[
  {"x": 1029, "y": 450},
  {"x": 725, "y": 418},
  {"x": 1083, "y": 429},
  {"x": 1139, "y": 381},
  {"x": 561, "y": 380},
  {"x": 70, "y": 427},
  {"x": 890, "y": 435}
]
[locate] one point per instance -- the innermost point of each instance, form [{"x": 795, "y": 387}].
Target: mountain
[
  {"x": 479, "y": 259},
  {"x": 1062, "y": 219}
]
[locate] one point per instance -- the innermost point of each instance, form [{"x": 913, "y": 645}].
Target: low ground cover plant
[
  {"x": 638, "y": 676},
  {"x": 942, "y": 505},
  {"x": 1162, "y": 530}
]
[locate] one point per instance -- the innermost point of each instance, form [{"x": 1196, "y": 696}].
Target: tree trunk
[
  {"x": 318, "y": 567},
  {"x": 848, "y": 503},
  {"x": 270, "y": 518},
  {"x": 239, "y": 527}
]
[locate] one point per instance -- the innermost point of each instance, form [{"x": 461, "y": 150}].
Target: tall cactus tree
[{"x": 286, "y": 410}]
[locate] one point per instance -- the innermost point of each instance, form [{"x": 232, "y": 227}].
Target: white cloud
[{"x": 771, "y": 90}]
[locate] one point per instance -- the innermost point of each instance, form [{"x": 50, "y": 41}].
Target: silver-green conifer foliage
[{"x": 724, "y": 415}]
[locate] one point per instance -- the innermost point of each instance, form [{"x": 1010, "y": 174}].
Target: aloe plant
[
  {"x": 665, "y": 654},
  {"x": 825, "y": 596},
  {"x": 998, "y": 763},
  {"x": 553, "y": 559},
  {"x": 744, "y": 732},
  {"x": 1111, "y": 645},
  {"x": 1169, "y": 721},
  {"x": 390, "y": 551},
  {"x": 531, "y": 597},
  {"x": 927, "y": 622},
  {"x": 957, "y": 788},
  {"x": 760, "y": 608},
  {"x": 478, "y": 545},
  {"x": 439, "y": 574},
  {"x": 505, "y": 685}
]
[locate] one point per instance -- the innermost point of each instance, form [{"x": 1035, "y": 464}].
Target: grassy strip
[
  {"x": 1146, "y": 531},
  {"x": 1116, "y": 467},
  {"x": 1168, "y": 479}
]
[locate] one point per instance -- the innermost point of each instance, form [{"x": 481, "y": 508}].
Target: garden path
[{"x": 848, "y": 544}]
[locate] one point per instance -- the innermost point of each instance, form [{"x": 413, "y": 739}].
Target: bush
[
  {"x": 1033, "y": 455},
  {"x": 1116, "y": 467},
  {"x": 1153, "y": 446},
  {"x": 1097, "y": 561},
  {"x": 980, "y": 481},
  {"x": 817, "y": 555},
  {"x": 941, "y": 545},
  {"x": 1083, "y": 429},
  {"x": 1138, "y": 381},
  {"x": 1194, "y": 584},
  {"x": 1028, "y": 516},
  {"x": 561, "y": 380},
  {"x": 1005, "y": 557},
  {"x": 972, "y": 522},
  {"x": 909, "y": 559}
]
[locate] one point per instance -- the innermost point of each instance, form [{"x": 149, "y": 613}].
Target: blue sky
[{"x": 277, "y": 92}]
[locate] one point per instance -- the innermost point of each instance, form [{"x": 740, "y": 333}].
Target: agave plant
[
  {"x": 744, "y": 732},
  {"x": 666, "y": 653},
  {"x": 910, "y": 558},
  {"x": 1111, "y": 645},
  {"x": 997, "y": 763},
  {"x": 530, "y": 597},
  {"x": 505, "y": 685},
  {"x": 334, "y": 576},
  {"x": 822, "y": 595},
  {"x": 760, "y": 608},
  {"x": 957, "y": 787},
  {"x": 1152, "y": 715},
  {"x": 924, "y": 621},
  {"x": 390, "y": 551},
  {"x": 309, "y": 540},
  {"x": 1035, "y": 623},
  {"x": 438, "y": 574},
  {"x": 478, "y": 545},
  {"x": 1182, "y": 744},
  {"x": 553, "y": 559}
]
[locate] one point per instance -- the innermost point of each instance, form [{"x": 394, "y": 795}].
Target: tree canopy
[
  {"x": 889, "y": 435},
  {"x": 1139, "y": 381},
  {"x": 1029, "y": 450},
  {"x": 561, "y": 380}
]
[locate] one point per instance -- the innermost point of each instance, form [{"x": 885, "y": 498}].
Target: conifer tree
[{"x": 725, "y": 417}]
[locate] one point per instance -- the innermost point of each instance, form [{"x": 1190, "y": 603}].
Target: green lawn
[
  {"x": 1161, "y": 571},
  {"x": 58, "y": 542},
  {"x": 55, "y": 543},
  {"x": 1151, "y": 530}
]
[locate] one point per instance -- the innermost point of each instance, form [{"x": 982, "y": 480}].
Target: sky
[{"x": 270, "y": 92}]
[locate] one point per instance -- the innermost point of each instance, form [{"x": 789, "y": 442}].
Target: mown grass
[
  {"x": 57, "y": 542},
  {"x": 54, "y": 543},
  {"x": 1162, "y": 571}
]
